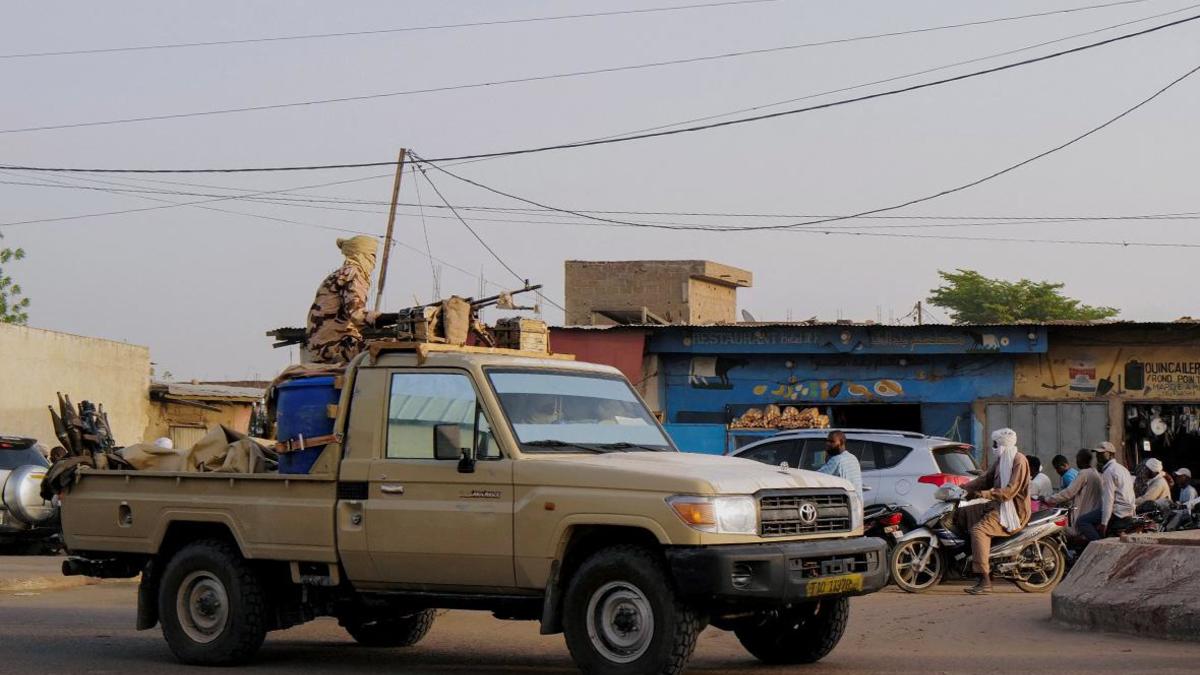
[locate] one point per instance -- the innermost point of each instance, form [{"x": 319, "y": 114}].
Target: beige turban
[{"x": 360, "y": 251}]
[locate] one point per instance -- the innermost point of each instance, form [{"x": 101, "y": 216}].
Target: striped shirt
[{"x": 845, "y": 466}]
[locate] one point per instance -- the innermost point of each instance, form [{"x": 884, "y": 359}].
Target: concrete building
[
  {"x": 602, "y": 293},
  {"x": 184, "y": 412},
  {"x": 1061, "y": 386},
  {"x": 35, "y": 364}
]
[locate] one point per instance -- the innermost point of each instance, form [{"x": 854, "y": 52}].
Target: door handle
[{"x": 391, "y": 489}]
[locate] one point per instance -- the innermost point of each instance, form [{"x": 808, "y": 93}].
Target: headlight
[
  {"x": 720, "y": 515},
  {"x": 856, "y": 511}
]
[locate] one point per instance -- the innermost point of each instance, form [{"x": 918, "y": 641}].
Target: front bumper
[{"x": 774, "y": 574}]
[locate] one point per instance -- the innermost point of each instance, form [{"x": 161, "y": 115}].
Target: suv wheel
[
  {"x": 621, "y": 616},
  {"x": 802, "y": 634},
  {"x": 212, "y": 605}
]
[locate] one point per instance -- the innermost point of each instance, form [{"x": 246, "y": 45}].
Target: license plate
[{"x": 847, "y": 583}]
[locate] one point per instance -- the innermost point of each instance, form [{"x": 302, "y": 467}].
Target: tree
[
  {"x": 971, "y": 297},
  {"x": 12, "y": 305}
]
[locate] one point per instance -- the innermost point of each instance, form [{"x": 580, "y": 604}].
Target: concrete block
[{"x": 1148, "y": 587}]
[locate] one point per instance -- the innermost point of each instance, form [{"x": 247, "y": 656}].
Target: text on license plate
[{"x": 846, "y": 583}]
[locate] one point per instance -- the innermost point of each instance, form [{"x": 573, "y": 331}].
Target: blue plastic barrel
[{"x": 302, "y": 410}]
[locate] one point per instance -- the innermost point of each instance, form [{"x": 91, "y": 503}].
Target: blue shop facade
[{"x": 910, "y": 378}]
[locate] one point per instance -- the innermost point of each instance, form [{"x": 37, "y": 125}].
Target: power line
[
  {"x": 410, "y": 29},
  {"x": 475, "y": 234},
  {"x": 494, "y": 83},
  {"x": 655, "y": 134},
  {"x": 869, "y": 212},
  {"x": 301, "y": 223},
  {"x": 940, "y": 221}
]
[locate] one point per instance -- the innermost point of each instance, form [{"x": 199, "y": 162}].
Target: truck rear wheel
[
  {"x": 401, "y": 631},
  {"x": 212, "y": 605},
  {"x": 801, "y": 634},
  {"x": 622, "y": 617}
]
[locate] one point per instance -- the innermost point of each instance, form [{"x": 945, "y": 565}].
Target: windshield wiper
[
  {"x": 622, "y": 445},
  {"x": 555, "y": 443}
]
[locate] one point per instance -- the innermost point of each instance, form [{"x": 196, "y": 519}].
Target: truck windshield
[
  {"x": 567, "y": 412},
  {"x": 14, "y": 459}
]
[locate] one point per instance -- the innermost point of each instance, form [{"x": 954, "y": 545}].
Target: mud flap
[
  {"x": 147, "y": 606},
  {"x": 552, "y": 603}
]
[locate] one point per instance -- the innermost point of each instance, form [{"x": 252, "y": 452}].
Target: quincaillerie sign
[{"x": 1163, "y": 379}]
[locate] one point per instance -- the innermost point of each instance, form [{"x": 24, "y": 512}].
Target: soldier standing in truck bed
[{"x": 339, "y": 312}]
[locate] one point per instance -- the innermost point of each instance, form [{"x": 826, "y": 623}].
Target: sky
[{"x": 201, "y": 287}]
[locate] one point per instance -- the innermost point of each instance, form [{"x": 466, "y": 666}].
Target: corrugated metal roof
[
  {"x": 207, "y": 392},
  {"x": 1185, "y": 321}
]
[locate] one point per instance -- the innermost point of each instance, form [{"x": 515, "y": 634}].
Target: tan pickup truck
[{"x": 537, "y": 489}]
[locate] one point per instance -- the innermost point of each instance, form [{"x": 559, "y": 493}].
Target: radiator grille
[{"x": 782, "y": 514}]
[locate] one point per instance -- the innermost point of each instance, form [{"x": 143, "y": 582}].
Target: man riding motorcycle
[{"x": 1006, "y": 487}]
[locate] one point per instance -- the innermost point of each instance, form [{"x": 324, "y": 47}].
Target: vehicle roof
[
  {"x": 457, "y": 356},
  {"x": 887, "y": 433}
]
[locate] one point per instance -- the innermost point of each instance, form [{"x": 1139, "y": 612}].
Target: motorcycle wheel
[
  {"x": 906, "y": 570},
  {"x": 1054, "y": 566}
]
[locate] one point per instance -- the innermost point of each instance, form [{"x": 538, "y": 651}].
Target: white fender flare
[{"x": 920, "y": 533}]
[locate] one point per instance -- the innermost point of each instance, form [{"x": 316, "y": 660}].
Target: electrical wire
[
  {"x": 869, "y": 212},
  {"x": 489, "y": 249},
  {"x": 436, "y": 27},
  {"x": 583, "y": 73},
  {"x": 301, "y": 223},
  {"x": 894, "y": 78}
]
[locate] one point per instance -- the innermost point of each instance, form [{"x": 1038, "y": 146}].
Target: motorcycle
[
  {"x": 885, "y": 522},
  {"x": 1033, "y": 558}
]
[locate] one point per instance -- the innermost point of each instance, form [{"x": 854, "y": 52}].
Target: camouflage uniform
[{"x": 337, "y": 316}]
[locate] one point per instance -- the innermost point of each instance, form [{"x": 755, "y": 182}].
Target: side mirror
[{"x": 446, "y": 441}]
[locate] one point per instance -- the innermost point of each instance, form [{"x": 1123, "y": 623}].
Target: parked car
[
  {"x": 898, "y": 467},
  {"x": 27, "y": 523}
]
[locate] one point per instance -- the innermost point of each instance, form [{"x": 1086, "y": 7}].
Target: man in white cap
[
  {"x": 1187, "y": 492},
  {"x": 1116, "y": 497},
  {"x": 1157, "y": 490},
  {"x": 1006, "y": 487}
]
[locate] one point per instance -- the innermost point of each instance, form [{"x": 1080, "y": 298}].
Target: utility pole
[
  {"x": 387, "y": 239},
  {"x": 920, "y": 315}
]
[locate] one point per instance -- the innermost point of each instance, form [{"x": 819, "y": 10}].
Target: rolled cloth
[
  {"x": 1005, "y": 452},
  {"x": 360, "y": 251}
]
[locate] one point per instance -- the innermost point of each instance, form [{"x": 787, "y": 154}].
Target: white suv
[{"x": 898, "y": 467}]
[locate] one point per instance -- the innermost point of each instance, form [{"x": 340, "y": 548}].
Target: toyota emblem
[{"x": 808, "y": 513}]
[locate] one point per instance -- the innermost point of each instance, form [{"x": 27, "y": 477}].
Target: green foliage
[
  {"x": 12, "y": 305},
  {"x": 971, "y": 297}
]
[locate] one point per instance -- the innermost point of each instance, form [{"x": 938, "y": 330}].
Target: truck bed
[{"x": 272, "y": 516}]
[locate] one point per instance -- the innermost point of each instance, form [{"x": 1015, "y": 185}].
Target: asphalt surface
[{"x": 90, "y": 630}]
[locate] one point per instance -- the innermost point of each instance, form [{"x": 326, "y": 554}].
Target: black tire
[
  {"x": 223, "y": 605},
  {"x": 802, "y": 634},
  {"x": 1054, "y": 567},
  {"x": 629, "y": 583},
  {"x": 905, "y": 555},
  {"x": 401, "y": 631}
]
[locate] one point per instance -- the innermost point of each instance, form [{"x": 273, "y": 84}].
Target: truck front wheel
[
  {"x": 212, "y": 605},
  {"x": 801, "y": 634},
  {"x": 401, "y": 631},
  {"x": 621, "y": 616}
]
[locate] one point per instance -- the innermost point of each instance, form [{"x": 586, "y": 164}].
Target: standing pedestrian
[{"x": 840, "y": 462}]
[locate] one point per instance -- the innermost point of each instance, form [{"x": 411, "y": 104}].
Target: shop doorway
[
  {"x": 890, "y": 416},
  {"x": 1170, "y": 432}
]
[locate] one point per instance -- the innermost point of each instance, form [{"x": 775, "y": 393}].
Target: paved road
[{"x": 89, "y": 630}]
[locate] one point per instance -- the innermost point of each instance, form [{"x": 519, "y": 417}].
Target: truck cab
[{"x": 528, "y": 485}]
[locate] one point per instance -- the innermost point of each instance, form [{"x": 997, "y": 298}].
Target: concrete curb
[{"x": 1134, "y": 586}]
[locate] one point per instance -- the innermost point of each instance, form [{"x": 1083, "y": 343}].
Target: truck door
[{"x": 427, "y": 523}]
